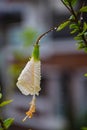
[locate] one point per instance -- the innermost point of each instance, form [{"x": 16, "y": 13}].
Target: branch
[{"x": 66, "y": 6}]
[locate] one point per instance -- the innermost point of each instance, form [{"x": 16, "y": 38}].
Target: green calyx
[{"x": 36, "y": 53}]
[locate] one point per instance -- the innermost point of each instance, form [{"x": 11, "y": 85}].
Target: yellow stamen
[{"x": 31, "y": 111}]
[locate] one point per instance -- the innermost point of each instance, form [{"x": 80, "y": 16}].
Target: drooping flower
[{"x": 29, "y": 79}]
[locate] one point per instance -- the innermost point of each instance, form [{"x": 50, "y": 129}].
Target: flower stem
[{"x": 53, "y": 28}]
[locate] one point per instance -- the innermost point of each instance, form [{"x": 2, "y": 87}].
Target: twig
[{"x": 66, "y": 6}]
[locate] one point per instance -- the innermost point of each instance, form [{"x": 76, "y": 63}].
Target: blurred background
[{"x": 62, "y": 104}]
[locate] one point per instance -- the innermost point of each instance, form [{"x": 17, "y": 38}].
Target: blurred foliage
[
  {"x": 5, "y": 124},
  {"x": 84, "y": 128},
  {"x": 4, "y": 103},
  {"x": 29, "y": 36},
  {"x": 85, "y": 74}
]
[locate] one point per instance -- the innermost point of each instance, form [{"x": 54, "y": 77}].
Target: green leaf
[
  {"x": 63, "y": 25},
  {"x": 1, "y": 128},
  {"x": 0, "y": 95},
  {"x": 72, "y": 18},
  {"x": 85, "y": 74},
  {"x": 85, "y": 33},
  {"x": 84, "y": 128},
  {"x": 83, "y": 9},
  {"x": 78, "y": 38},
  {"x": 73, "y": 2},
  {"x": 5, "y": 103},
  {"x": 85, "y": 49},
  {"x": 80, "y": 45},
  {"x": 8, "y": 122},
  {"x": 73, "y": 26},
  {"x": 85, "y": 26},
  {"x": 74, "y": 31},
  {"x": 84, "y": 29},
  {"x": 29, "y": 36}
]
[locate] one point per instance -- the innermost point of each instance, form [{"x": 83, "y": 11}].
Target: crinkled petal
[{"x": 29, "y": 79}]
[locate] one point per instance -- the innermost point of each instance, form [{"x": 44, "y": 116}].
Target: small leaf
[
  {"x": 85, "y": 34},
  {"x": 8, "y": 122},
  {"x": 0, "y": 95},
  {"x": 63, "y": 25},
  {"x": 72, "y": 18},
  {"x": 73, "y": 2},
  {"x": 85, "y": 74},
  {"x": 84, "y": 128},
  {"x": 5, "y": 103},
  {"x": 28, "y": 36},
  {"x": 73, "y": 26},
  {"x": 83, "y": 9},
  {"x": 85, "y": 49},
  {"x": 80, "y": 45},
  {"x": 74, "y": 31},
  {"x": 78, "y": 38},
  {"x": 85, "y": 26}
]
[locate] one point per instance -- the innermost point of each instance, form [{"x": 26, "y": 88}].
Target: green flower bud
[{"x": 36, "y": 53}]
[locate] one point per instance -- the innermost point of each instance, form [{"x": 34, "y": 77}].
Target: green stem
[
  {"x": 66, "y": 6},
  {"x": 2, "y": 124},
  {"x": 39, "y": 38}
]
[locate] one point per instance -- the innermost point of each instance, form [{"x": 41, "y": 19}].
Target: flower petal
[{"x": 29, "y": 79}]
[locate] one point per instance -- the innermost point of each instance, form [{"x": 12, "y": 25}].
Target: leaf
[
  {"x": 73, "y": 2},
  {"x": 85, "y": 33},
  {"x": 85, "y": 26},
  {"x": 63, "y": 25},
  {"x": 84, "y": 29},
  {"x": 1, "y": 128},
  {"x": 84, "y": 128},
  {"x": 85, "y": 74},
  {"x": 83, "y": 9},
  {"x": 78, "y": 38},
  {"x": 28, "y": 36},
  {"x": 73, "y": 26},
  {"x": 74, "y": 31},
  {"x": 5, "y": 103},
  {"x": 80, "y": 45},
  {"x": 0, "y": 95},
  {"x": 8, "y": 122},
  {"x": 72, "y": 18},
  {"x": 85, "y": 49}
]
